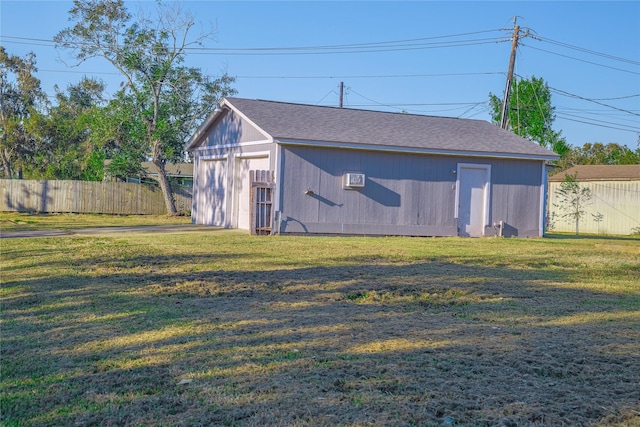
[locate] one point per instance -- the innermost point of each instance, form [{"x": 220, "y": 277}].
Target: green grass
[
  {"x": 318, "y": 331},
  {"x": 19, "y": 221}
]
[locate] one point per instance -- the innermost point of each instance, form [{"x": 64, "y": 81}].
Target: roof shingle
[{"x": 311, "y": 123}]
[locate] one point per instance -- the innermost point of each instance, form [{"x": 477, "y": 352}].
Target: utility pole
[
  {"x": 512, "y": 61},
  {"x": 341, "y": 92}
]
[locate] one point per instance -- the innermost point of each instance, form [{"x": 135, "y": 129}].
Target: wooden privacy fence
[{"x": 88, "y": 197}]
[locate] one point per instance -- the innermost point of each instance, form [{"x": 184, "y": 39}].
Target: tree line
[
  {"x": 158, "y": 107},
  {"x": 162, "y": 101},
  {"x": 532, "y": 114}
]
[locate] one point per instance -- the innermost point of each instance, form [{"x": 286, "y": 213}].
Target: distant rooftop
[{"x": 600, "y": 173}]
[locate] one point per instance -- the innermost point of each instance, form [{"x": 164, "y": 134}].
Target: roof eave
[{"x": 416, "y": 150}]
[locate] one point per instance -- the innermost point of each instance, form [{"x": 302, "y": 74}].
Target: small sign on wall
[{"x": 352, "y": 180}]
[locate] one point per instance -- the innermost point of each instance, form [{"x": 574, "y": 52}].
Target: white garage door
[
  {"x": 212, "y": 199},
  {"x": 243, "y": 166}
]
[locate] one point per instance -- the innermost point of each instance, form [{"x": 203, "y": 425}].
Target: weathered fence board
[
  {"x": 88, "y": 197},
  {"x": 261, "y": 201}
]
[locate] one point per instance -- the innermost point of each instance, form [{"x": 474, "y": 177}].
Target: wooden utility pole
[
  {"x": 341, "y": 92},
  {"x": 507, "y": 89}
]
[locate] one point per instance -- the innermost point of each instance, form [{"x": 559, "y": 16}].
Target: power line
[
  {"x": 468, "y": 110},
  {"x": 382, "y": 46},
  {"x": 379, "y": 76},
  {"x": 399, "y": 106},
  {"x": 615, "y": 208},
  {"x": 617, "y": 115},
  {"x": 571, "y": 95},
  {"x": 599, "y": 125},
  {"x": 400, "y": 45},
  {"x": 392, "y": 43},
  {"x": 582, "y": 60},
  {"x": 328, "y": 93},
  {"x": 617, "y": 97},
  {"x": 462, "y": 43},
  {"x": 603, "y": 112},
  {"x": 375, "y": 76},
  {"x": 592, "y": 52},
  {"x": 620, "y": 126}
]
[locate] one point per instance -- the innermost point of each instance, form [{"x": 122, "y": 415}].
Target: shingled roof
[
  {"x": 300, "y": 123},
  {"x": 600, "y": 173}
]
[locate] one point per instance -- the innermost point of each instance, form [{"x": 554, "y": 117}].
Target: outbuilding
[
  {"x": 276, "y": 167},
  {"x": 614, "y": 206}
]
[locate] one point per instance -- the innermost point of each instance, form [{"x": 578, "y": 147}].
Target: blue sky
[{"x": 587, "y": 51}]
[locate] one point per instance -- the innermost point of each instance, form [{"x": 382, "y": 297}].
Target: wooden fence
[
  {"x": 261, "y": 197},
  {"x": 88, "y": 197}
]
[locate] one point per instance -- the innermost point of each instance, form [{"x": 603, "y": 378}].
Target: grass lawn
[
  {"x": 222, "y": 328},
  {"x": 18, "y": 221}
]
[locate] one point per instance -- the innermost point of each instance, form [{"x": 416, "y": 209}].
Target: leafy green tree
[
  {"x": 531, "y": 114},
  {"x": 67, "y": 152},
  {"x": 21, "y": 100},
  {"x": 597, "y": 218},
  {"x": 119, "y": 136},
  {"x": 166, "y": 98},
  {"x": 599, "y": 154},
  {"x": 572, "y": 200}
]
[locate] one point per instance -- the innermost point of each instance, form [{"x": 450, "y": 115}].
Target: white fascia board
[
  {"x": 415, "y": 150},
  {"x": 213, "y": 157},
  {"x": 242, "y": 144},
  {"x": 253, "y": 155}
]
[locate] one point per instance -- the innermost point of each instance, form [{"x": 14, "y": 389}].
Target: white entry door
[
  {"x": 211, "y": 198},
  {"x": 473, "y": 199},
  {"x": 242, "y": 202}
]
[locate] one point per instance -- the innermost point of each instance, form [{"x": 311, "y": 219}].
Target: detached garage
[
  {"x": 613, "y": 207},
  {"x": 277, "y": 167}
]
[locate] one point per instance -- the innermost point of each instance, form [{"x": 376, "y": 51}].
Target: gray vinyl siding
[
  {"x": 232, "y": 129},
  {"x": 404, "y": 194},
  {"x": 515, "y": 195}
]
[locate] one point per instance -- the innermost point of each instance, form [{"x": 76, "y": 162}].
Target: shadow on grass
[{"x": 371, "y": 342}]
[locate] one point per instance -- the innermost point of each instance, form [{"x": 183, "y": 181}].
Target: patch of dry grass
[{"x": 227, "y": 329}]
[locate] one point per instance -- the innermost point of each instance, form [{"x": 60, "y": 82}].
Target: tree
[
  {"x": 597, "y": 218},
  {"x": 67, "y": 152},
  {"x": 162, "y": 95},
  {"x": 600, "y": 154},
  {"x": 20, "y": 100},
  {"x": 531, "y": 113},
  {"x": 572, "y": 199},
  {"x": 118, "y": 136}
]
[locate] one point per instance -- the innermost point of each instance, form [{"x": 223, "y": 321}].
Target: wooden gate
[{"x": 262, "y": 185}]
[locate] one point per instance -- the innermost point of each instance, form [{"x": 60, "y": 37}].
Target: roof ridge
[
  {"x": 400, "y": 113},
  {"x": 377, "y": 129}
]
